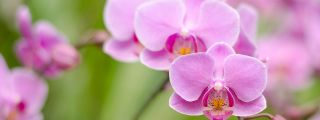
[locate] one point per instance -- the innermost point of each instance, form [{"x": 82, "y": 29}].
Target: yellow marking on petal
[
  {"x": 218, "y": 103},
  {"x": 184, "y": 51},
  {"x": 12, "y": 115}
]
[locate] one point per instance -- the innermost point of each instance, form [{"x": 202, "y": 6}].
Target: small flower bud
[
  {"x": 65, "y": 56},
  {"x": 100, "y": 37}
]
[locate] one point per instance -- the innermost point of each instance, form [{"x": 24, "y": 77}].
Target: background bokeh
[{"x": 100, "y": 88}]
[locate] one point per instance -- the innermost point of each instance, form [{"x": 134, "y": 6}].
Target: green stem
[
  {"x": 261, "y": 115},
  {"x": 153, "y": 96},
  {"x": 93, "y": 38}
]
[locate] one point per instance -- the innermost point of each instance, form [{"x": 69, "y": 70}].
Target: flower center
[
  {"x": 218, "y": 103},
  {"x": 184, "y": 51},
  {"x": 184, "y": 44},
  {"x": 20, "y": 108},
  {"x": 282, "y": 71},
  {"x": 12, "y": 115}
]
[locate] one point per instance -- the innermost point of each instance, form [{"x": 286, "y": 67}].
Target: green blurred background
[{"x": 100, "y": 88}]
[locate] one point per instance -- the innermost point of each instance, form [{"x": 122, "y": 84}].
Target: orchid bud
[{"x": 65, "y": 56}]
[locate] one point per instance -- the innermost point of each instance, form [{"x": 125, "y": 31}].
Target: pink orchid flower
[
  {"x": 264, "y": 7},
  {"x": 301, "y": 21},
  {"x": 298, "y": 18},
  {"x": 286, "y": 73},
  {"x": 307, "y": 22},
  {"x": 218, "y": 83},
  {"x": 248, "y": 30},
  {"x": 284, "y": 70},
  {"x": 119, "y": 18},
  {"x": 43, "y": 48},
  {"x": 272, "y": 9},
  {"x": 22, "y": 94},
  {"x": 172, "y": 28}
]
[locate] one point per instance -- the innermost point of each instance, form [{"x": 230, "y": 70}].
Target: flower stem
[
  {"x": 261, "y": 115},
  {"x": 93, "y": 38},
  {"x": 153, "y": 96}
]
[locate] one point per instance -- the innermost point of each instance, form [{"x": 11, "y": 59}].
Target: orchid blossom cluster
[{"x": 207, "y": 47}]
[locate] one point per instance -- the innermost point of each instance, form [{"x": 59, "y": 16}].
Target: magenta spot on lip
[
  {"x": 21, "y": 106},
  {"x": 135, "y": 39},
  {"x": 139, "y": 46}
]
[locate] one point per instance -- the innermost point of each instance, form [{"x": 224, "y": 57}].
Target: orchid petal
[
  {"x": 125, "y": 51},
  {"x": 155, "y": 21},
  {"x": 185, "y": 107},
  {"x": 191, "y": 74},
  {"x": 119, "y": 17},
  {"x": 246, "y": 76},
  {"x": 32, "y": 89},
  {"x": 217, "y": 22}
]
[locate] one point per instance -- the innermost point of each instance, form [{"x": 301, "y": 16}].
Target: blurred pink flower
[
  {"x": 307, "y": 20},
  {"x": 218, "y": 83},
  {"x": 172, "y": 28},
  {"x": 248, "y": 29},
  {"x": 273, "y": 9},
  {"x": 119, "y": 18},
  {"x": 299, "y": 17},
  {"x": 43, "y": 47},
  {"x": 22, "y": 94},
  {"x": 300, "y": 20},
  {"x": 288, "y": 61},
  {"x": 268, "y": 8}
]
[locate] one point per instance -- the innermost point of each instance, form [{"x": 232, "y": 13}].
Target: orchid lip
[
  {"x": 20, "y": 108},
  {"x": 184, "y": 43},
  {"x": 218, "y": 102}
]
